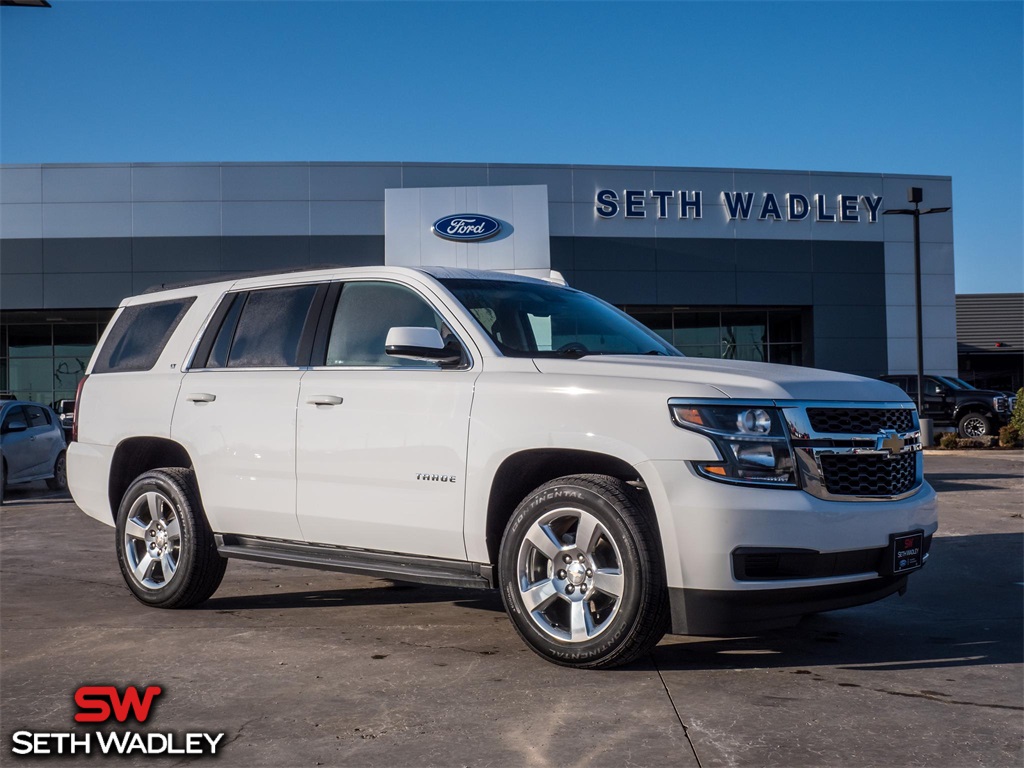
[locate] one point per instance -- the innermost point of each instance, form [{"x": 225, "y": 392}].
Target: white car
[
  {"x": 31, "y": 445},
  {"x": 481, "y": 429}
]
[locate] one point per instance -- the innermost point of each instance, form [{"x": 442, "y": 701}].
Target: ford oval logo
[{"x": 466, "y": 226}]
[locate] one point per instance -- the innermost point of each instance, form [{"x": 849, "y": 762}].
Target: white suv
[{"x": 481, "y": 429}]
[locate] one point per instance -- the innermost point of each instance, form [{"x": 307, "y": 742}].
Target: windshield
[
  {"x": 959, "y": 383},
  {"x": 540, "y": 320}
]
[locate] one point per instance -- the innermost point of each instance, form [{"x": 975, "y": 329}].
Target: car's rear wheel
[
  {"x": 165, "y": 547},
  {"x": 59, "y": 481},
  {"x": 580, "y": 575}
]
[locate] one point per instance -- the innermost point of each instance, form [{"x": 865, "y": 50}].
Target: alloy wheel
[
  {"x": 152, "y": 540},
  {"x": 570, "y": 575}
]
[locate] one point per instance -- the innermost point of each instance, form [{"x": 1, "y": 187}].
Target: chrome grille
[
  {"x": 860, "y": 421},
  {"x": 858, "y": 474}
]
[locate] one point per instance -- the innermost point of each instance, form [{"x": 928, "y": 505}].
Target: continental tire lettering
[{"x": 510, "y": 592}]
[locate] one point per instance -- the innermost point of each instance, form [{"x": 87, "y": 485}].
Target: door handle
[
  {"x": 200, "y": 397},
  {"x": 324, "y": 400}
]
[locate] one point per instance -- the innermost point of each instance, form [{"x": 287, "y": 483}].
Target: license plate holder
[{"x": 905, "y": 551}]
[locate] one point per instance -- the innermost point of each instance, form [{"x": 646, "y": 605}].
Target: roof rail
[{"x": 237, "y": 276}]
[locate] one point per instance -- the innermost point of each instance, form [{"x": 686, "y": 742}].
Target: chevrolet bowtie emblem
[{"x": 889, "y": 441}]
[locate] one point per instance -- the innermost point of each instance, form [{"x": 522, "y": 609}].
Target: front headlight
[
  {"x": 1000, "y": 404},
  {"x": 752, "y": 440}
]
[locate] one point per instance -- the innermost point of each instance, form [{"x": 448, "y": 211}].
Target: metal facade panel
[
  {"x": 861, "y": 356},
  {"x": 192, "y": 219},
  {"x": 265, "y": 218},
  {"x": 91, "y": 254},
  {"x": 846, "y": 256},
  {"x": 346, "y": 251},
  {"x": 87, "y": 219},
  {"x": 532, "y": 243},
  {"x": 21, "y": 220},
  {"x": 849, "y": 289},
  {"x": 161, "y": 254},
  {"x": 623, "y": 287},
  {"x": 353, "y": 217},
  {"x": 89, "y": 184},
  {"x": 983, "y": 320},
  {"x": 696, "y": 254},
  {"x": 258, "y": 253},
  {"x": 21, "y": 256},
  {"x": 21, "y": 291},
  {"x": 696, "y": 288},
  {"x": 774, "y": 256},
  {"x": 85, "y": 289},
  {"x": 143, "y": 281},
  {"x": 352, "y": 182},
  {"x": 21, "y": 185},
  {"x": 557, "y": 180},
  {"x": 416, "y": 175},
  {"x": 761, "y": 288},
  {"x": 180, "y": 183},
  {"x": 265, "y": 182}
]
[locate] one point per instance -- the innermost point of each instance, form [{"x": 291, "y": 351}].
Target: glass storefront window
[
  {"x": 42, "y": 358},
  {"x": 659, "y": 322},
  {"x": 773, "y": 335},
  {"x": 29, "y": 341},
  {"x": 786, "y": 354},
  {"x": 31, "y": 378},
  {"x": 785, "y": 326},
  {"x": 694, "y": 329},
  {"x": 74, "y": 340}
]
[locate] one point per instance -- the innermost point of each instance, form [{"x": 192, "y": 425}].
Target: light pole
[{"x": 915, "y": 195}]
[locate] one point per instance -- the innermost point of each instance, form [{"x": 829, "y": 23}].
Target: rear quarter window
[{"x": 139, "y": 335}]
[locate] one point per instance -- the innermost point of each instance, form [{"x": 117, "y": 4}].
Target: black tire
[
  {"x": 625, "y": 533},
  {"x": 198, "y": 568},
  {"x": 974, "y": 425},
  {"x": 59, "y": 481}
]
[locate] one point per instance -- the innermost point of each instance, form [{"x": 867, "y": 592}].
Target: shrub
[
  {"x": 975, "y": 442},
  {"x": 1017, "y": 418},
  {"x": 949, "y": 441},
  {"x": 1009, "y": 436}
]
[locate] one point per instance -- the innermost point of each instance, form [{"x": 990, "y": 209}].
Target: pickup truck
[
  {"x": 952, "y": 402},
  {"x": 489, "y": 430}
]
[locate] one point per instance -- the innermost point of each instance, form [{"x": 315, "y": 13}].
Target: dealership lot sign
[
  {"x": 104, "y": 705},
  {"x": 764, "y": 206}
]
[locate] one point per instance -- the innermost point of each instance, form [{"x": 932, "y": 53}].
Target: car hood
[{"x": 733, "y": 378}]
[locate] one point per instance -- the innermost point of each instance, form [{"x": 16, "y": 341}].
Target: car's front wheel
[
  {"x": 165, "y": 547},
  {"x": 580, "y": 575}
]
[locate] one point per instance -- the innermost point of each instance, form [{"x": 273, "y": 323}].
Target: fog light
[{"x": 758, "y": 455}]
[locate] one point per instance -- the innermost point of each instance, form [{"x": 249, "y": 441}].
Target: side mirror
[
  {"x": 15, "y": 426},
  {"x": 422, "y": 344}
]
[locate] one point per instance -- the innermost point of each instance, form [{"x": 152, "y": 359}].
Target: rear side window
[
  {"x": 270, "y": 328},
  {"x": 139, "y": 336},
  {"x": 37, "y": 417}
]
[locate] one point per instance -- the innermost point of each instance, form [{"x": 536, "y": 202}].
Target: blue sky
[{"x": 911, "y": 87}]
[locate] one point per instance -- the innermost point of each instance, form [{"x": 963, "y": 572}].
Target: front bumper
[
  {"x": 723, "y": 613},
  {"x": 703, "y": 524}
]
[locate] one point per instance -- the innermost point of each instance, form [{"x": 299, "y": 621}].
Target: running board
[{"x": 383, "y": 565}]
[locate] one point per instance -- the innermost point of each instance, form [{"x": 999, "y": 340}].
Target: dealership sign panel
[{"x": 764, "y": 206}]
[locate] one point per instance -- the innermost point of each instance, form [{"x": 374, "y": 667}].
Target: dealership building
[{"x": 791, "y": 267}]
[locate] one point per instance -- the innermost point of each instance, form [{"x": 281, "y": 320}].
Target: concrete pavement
[{"x": 305, "y": 668}]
